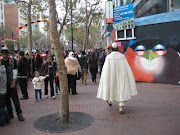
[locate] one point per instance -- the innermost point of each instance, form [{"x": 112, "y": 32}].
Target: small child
[
  {"x": 37, "y": 81},
  {"x": 57, "y": 85}
]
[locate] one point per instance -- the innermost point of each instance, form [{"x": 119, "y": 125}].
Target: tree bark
[
  {"x": 86, "y": 26},
  {"x": 64, "y": 99},
  {"x": 29, "y": 32}
]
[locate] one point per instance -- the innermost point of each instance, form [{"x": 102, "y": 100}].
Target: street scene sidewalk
[{"x": 154, "y": 111}]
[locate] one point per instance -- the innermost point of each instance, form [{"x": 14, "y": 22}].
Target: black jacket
[
  {"x": 22, "y": 67},
  {"x": 83, "y": 62},
  {"x": 38, "y": 62}
]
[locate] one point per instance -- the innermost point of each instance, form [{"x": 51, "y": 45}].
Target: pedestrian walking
[
  {"x": 72, "y": 65},
  {"x": 117, "y": 81},
  {"x": 57, "y": 84},
  {"x": 23, "y": 75},
  {"x": 4, "y": 117},
  {"x": 37, "y": 82},
  {"x": 93, "y": 66},
  {"x": 83, "y": 61},
  {"x": 28, "y": 64},
  {"x": 37, "y": 61},
  {"x": 101, "y": 59},
  {"x": 49, "y": 68},
  {"x": 11, "y": 72}
]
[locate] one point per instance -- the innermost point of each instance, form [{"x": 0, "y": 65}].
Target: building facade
[
  {"x": 14, "y": 18},
  {"x": 154, "y": 51},
  {"x": 150, "y": 7},
  {"x": 1, "y": 13}
]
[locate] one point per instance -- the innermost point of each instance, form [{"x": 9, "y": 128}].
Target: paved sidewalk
[{"x": 154, "y": 111}]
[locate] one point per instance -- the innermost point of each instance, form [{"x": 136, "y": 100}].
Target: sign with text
[
  {"x": 124, "y": 17},
  {"x": 109, "y": 12},
  {"x": 127, "y": 24},
  {"x": 123, "y": 13}
]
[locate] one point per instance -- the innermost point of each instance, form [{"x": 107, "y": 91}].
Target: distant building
[
  {"x": 35, "y": 26},
  {"x": 14, "y": 18},
  {"x": 150, "y": 7},
  {"x": 1, "y": 13}
]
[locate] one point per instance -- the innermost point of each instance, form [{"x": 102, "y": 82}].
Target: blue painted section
[
  {"x": 140, "y": 47},
  {"x": 123, "y": 13},
  {"x": 159, "y": 47},
  {"x": 158, "y": 18},
  {"x": 131, "y": 42}
]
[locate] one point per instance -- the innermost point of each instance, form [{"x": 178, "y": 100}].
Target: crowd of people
[
  {"x": 116, "y": 82},
  {"x": 19, "y": 68}
]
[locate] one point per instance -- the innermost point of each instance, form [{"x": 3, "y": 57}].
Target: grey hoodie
[{"x": 3, "y": 80}]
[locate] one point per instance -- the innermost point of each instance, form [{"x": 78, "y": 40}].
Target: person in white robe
[{"x": 117, "y": 83}]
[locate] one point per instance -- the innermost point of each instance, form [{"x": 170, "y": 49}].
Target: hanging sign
[{"x": 109, "y": 12}]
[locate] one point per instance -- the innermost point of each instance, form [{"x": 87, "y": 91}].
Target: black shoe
[
  {"x": 20, "y": 117},
  {"x": 11, "y": 116},
  {"x": 23, "y": 98},
  {"x": 110, "y": 104}
]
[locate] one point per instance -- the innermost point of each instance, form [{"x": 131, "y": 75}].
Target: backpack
[{"x": 101, "y": 57}]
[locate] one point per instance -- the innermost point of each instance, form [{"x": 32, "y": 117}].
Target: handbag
[{"x": 78, "y": 77}]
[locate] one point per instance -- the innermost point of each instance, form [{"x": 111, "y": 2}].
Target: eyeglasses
[{"x": 4, "y": 52}]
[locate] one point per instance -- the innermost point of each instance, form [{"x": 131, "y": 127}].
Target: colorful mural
[{"x": 152, "y": 60}]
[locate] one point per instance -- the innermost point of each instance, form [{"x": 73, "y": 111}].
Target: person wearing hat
[
  {"x": 117, "y": 83},
  {"x": 11, "y": 72},
  {"x": 22, "y": 75},
  {"x": 72, "y": 65}
]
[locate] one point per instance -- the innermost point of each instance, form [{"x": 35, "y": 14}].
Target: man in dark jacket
[
  {"x": 37, "y": 61},
  {"x": 22, "y": 75},
  {"x": 83, "y": 61},
  {"x": 11, "y": 72}
]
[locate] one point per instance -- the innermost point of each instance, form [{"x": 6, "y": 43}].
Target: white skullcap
[
  {"x": 71, "y": 54},
  {"x": 4, "y": 48},
  {"x": 114, "y": 45}
]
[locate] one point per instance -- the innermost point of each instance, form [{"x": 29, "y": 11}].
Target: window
[
  {"x": 127, "y": 34},
  {"x": 2, "y": 16},
  {"x": 176, "y": 4},
  {"x": 1, "y": 6}
]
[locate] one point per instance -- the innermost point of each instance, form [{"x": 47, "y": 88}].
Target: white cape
[{"x": 117, "y": 81}]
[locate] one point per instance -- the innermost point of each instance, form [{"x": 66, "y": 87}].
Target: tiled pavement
[{"x": 154, "y": 111}]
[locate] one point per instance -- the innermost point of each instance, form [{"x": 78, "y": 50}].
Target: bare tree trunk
[
  {"x": 29, "y": 32},
  {"x": 64, "y": 103},
  {"x": 86, "y": 26}
]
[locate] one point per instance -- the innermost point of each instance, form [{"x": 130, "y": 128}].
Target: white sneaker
[
  {"x": 46, "y": 96},
  {"x": 53, "y": 97}
]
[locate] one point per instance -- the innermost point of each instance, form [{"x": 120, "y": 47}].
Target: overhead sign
[
  {"x": 127, "y": 24},
  {"x": 124, "y": 17},
  {"x": 123, "y": 13},
  {"x": 109, "y": 12}
]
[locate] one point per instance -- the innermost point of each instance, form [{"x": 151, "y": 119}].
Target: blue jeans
[
  {"x": 51, "y": 80},
  {"x": 57, "y": 86},
  {"x": 36, "y": 93}
]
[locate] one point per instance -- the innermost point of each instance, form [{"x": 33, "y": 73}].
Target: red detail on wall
[
  {"x": 140, "y": 74},
  {"x": 121, "y": 49},
  {"x": 109, "y": 20}
]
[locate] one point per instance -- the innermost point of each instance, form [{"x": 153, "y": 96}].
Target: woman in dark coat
[{"x": 93, "y": 66}]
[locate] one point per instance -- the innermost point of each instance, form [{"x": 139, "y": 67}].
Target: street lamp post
[
  {"x": 12, "y": 35},
  {"x": 29, "y": 27},
  {"x": 71, "y": 25}
]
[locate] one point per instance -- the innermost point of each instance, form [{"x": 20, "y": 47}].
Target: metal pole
[
  {"x": 71, "y": 26},
  {"x": 12, "y": 34}
]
